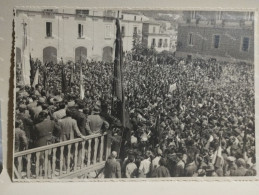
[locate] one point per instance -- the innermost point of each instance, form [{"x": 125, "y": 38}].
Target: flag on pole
[
  {"x": 71, "y": 81},
  {"x": 82, "y": 89},
  {"x": 36, "y": 78},
  {"x": 118, "y": 92},
  {"x": 45, "y": 80},
  {"x": 218, "y": 159},
  {"x": 63, "y": 80},
  {"x": 25, "y": 68},
  {"x": 119, "y": 110}
]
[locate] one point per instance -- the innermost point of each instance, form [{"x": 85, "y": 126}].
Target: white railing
[{"x": 67, "y": 159}]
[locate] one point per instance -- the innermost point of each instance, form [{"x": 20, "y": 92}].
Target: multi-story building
[
  {"x": 223, "y": 35},
  {"x": 154, "y": 37},
  {"x": 131, "y": 23},
  {"x": 52, "y": 34}
]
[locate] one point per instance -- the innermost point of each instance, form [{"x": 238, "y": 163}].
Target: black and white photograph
[{"x": 133, "y": 94}]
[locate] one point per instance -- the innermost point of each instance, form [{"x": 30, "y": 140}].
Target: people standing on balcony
[
  {"x": 45, "y": 130},
  {"x": 76, "y": 113},
  {"x": 95, "y": 123},
  {"x": 21, "y": 141},
  {"x": 68, "y": 131},
  {"x": 68, "y": 128},
  {"x": 61, "y": 112}
]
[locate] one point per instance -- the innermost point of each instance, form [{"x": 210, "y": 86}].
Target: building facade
[
  {"x": 131, "y": 23},
  {"x": 154, "y": 37},
  {"x": 221, "y": 35},
  {"x": 50, "y": 35}
]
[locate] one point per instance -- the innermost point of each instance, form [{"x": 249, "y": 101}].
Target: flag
[
  {"x": 218, "y": 159},
  {"x": 82, "y": 89},
  {"x": 118, "y": 92},
  {"x": 72, "y": 76},
  {"x": 25, "y": 68},
  {"x": 118, "y": 104},
  {"x": 36, "y": 78},
  {"x": 172, "y": 88},
  {"x": 45, "y": 80},
  {"x": 63, "y": 81},
  {"x": 157, "y": 135}
]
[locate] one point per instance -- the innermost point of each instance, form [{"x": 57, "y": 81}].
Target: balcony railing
[{"x": 67, "y": 159}]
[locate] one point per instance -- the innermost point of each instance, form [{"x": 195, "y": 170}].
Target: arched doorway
[
  {"x": 80, "y": 54},
  {"x": 50, "y": 55},
  {"x": 107, "y": 54},
  {"x": 18, "y": 55}
]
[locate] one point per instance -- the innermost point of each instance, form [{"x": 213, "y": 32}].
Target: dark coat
[
  {"x": 44, "y": 131},
  {"x": 112, "y": 169},
  {"x": 161, "y": 171},
  {"x": 95, "y": 123},
  {"x": 80, "y": 119}
]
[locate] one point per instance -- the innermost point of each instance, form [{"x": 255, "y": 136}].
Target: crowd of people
[{"x": 186, "y": 118}]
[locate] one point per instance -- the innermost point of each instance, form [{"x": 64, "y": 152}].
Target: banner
[
  {"x": 82, "y": 89},
  {"x": 36, "y": 78},
  {"x": 25, "y": 68}
]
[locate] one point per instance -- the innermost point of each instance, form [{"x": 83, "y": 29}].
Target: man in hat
[{"x": 95, "y": 122}]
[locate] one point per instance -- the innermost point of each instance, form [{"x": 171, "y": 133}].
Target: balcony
[{"x": 68, "y": 159}]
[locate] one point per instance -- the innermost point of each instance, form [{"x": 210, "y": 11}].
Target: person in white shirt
[{"x": 144, "y": 168}]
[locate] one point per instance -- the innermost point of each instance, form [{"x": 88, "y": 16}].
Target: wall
[
  {"x": 65, "y": 35},
  {"x": 229, "y": 46}
]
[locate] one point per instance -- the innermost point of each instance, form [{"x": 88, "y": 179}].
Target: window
[
  {"x": 153, "y": 43},
  {"x": 80, "y": 31},
  {"x": 154, "y": 29},
  {"x": 82, "y": 12},
  {"x": 245, "y": 44},
  {"x": 48, "y": 12},
  {"x": 122, "y": 17},
  {"x": 108, "y": 31},
  {"x": 190, "y": 39},
  {"x": 135, "y": 18},
  {"x": 216, "y": 41},
  {"x": 165, "y": 43},
  {"x": 135, "y": 30},
  {"x": 160, "y": 43},
  {"x": 109, "y": 13},
  {"x": 48, "y": 29}
]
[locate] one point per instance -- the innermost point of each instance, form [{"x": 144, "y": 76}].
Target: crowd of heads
[{"x": 208, "y": 115}]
